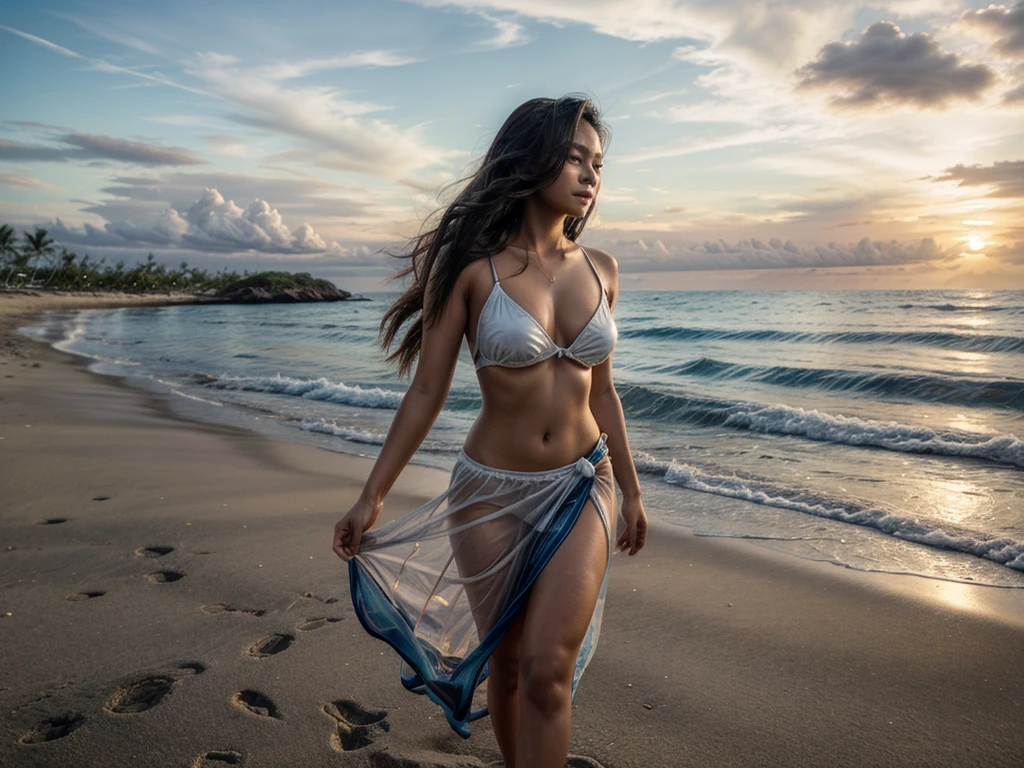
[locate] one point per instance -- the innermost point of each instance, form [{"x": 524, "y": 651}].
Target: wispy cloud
[
  {"x": 40, "y": 41},
  {"x": 13, "y": 180},
  {"x": 107, "y": 31},
  {"x": 84, "y": 146}
]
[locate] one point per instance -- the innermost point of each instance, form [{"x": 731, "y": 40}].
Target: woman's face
[{"x": 576, "y": 188}]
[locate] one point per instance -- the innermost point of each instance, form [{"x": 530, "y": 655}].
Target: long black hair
[{"x": 526, "y": 155}]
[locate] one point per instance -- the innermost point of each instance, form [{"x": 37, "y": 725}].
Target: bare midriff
[{"x": 533, "y": 418}]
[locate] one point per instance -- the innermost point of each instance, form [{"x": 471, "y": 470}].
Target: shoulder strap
[
  {"x": 599, "y": 280},
  {"x": 493, "y": 270}
]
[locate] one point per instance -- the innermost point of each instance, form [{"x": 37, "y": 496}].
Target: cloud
[
  {"x": 1009, "y": 253},
  {"x": 1002, "y": 26},
  {"x": 85, "y": 146},
  {"x": 12, "y": 180},
  {"x": 209, "y": 224},
  {"x": 296, "y": 69},
  {"x": 44, "y": 43},
  {"x": 1006, "y": 177},
  {"x": 107, "y": 31},
  {"x": 640, "y": 255},
  {"x": 508, "y": 33},
  {"x": 100, "y": 64},
  {"x": 345, "y": 139},
  {"x": 887, "y": 67}
]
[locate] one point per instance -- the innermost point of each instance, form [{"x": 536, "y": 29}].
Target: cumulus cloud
[
  {"x": 1003, "y": 26},
  {"x": 1005, "y": 177},
  {"x": 83, "y": 146},
  {"x": 210, "y": 224},
  {"x": 886, "y": 67},
  {"x": 641, "y": 255}
]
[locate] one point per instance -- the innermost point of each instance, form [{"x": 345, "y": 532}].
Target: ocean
[{"x": 878, "y": 430}]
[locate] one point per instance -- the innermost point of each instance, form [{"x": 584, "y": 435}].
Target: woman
[{"x": 502, "y": 577}]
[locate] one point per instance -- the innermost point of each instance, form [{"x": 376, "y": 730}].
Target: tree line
[{"x": 33, "y": 261}]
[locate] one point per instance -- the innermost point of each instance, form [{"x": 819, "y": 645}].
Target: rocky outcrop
[{"x": 281, "y": 288}]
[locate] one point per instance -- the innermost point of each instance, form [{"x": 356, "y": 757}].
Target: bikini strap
[
  {"x": 599, "y": 280},
  {"x": 493, "y": 270}
]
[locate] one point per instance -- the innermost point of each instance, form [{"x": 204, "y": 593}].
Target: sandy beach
[{"x": 170, "y": 598}]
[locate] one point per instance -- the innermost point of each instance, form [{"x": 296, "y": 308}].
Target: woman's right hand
[{"x": 348, "y": 531}]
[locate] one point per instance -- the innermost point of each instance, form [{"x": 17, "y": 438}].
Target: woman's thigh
[{"x": 562, "y": 600}]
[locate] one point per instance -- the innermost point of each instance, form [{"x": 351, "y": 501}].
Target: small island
[{"x": 281, "y": 288}]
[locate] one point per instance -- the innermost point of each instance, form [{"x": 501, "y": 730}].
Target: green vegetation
[
  {"x": 35, "y": 263},
  {"x": 278, "y": 281}
]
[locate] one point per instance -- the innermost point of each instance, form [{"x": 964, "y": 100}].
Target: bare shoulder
[{"x": 607, "y": 265}]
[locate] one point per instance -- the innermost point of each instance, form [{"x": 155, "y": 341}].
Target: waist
[{"x": 521, "y": 461}]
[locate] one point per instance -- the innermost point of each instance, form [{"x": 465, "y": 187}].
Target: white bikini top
[{"x": 509, "y": 336}]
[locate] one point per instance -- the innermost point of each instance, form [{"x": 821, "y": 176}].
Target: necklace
[{"x": 550, "y": 278}]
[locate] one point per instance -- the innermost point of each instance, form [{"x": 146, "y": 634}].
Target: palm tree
[
  {"x": 8, "y": 249},
  {"x": 37, "y": 245}
]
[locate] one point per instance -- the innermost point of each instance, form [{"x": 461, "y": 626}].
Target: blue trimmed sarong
[{"x": 443, "y": 584}]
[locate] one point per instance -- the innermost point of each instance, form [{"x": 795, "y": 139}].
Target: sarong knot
[{"x": 585, "y": 467}]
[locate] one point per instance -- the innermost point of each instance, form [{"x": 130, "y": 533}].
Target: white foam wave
[
  {"x": 851, "y": 430},
  {"x": 846, "y": 509},
  {"x": 321, "y": 389}
]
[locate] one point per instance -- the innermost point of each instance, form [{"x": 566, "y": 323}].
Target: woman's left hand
[{"x": 635, "y": 535}]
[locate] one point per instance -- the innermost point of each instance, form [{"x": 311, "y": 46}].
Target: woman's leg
[
  {"x": 559, "y": 610},
  {"x": 475, "y": 550},
  {"x": 503, "y": 691}
]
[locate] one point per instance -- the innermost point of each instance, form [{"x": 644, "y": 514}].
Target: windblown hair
[{"x": 526, "y": 155}]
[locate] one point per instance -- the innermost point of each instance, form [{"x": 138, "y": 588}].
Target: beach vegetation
[{"x": 34, "y": 262}]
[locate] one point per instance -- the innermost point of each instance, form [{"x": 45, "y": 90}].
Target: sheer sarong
[{"x": 443, "y": 584}]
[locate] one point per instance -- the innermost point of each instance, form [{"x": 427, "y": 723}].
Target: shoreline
[
  {"x": 745, "y": 656},
  {"x": 913, "y": 585}
]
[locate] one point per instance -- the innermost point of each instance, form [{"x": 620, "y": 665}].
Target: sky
[{"x": 806, "y": 144}]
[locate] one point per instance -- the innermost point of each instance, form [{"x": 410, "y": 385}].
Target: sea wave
[
  {"x": 847, "y": 509},
  {"x": 645, "y": 402},
  {"x": 970, "y": 342},
  {"x": 322, "y": 389},
  {"x": 926, "y": 387}
]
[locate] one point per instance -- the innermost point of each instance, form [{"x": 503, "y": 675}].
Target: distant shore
[
  {"x": 18, "y": 304},
  {"x": 168, "y": 595}
]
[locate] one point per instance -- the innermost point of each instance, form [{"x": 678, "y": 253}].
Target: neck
[{"x": 542, "y": 232}]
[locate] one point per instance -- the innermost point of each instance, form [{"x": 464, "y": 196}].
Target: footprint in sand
[
  {"x": 52, "y": 728},
  {"x": 582, "y": 761},
  {"x": 257, "y": 703},
  {"x": 328, "y": 601},
  {"x": 356, "y": 727},
  {"x": 218, "y": 757},
  {"x": 314, "y": 624},
  {"x": 76, "y": 596},
  {"x": 52, "y": 521},
  {"x": 146, "y": 692},
  {"x": 270, "y": 645},
  {"x": 164, "y": 577},
  {"x": 215, "y": 608},
  {"x": 153, "y": 551},
  {"x": 420, "y": 759}
]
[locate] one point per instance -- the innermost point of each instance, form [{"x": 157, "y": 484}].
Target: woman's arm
[
  {"x": 439, "y": 352},
  {"x": 607, "y": 410}
]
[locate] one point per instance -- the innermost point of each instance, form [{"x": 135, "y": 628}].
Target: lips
[{"x": 584, "y": 196}]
